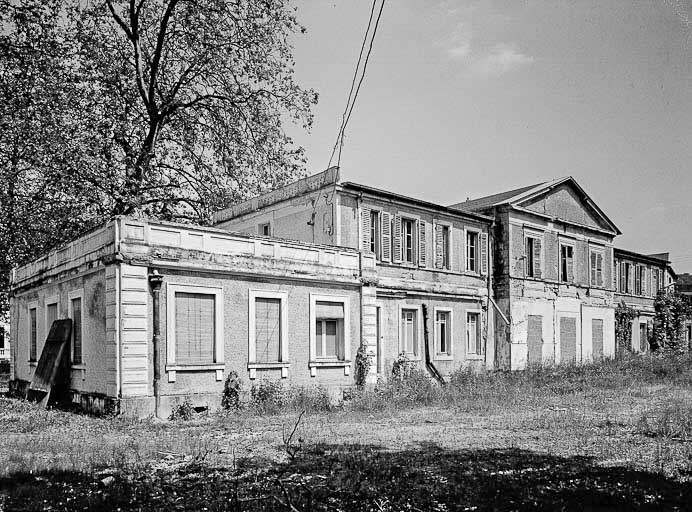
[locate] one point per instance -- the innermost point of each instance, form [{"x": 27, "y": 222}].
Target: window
[
  {"x": 566, "y": 263},
  {"x": 267, "y": 330},
  {"x": 33, "y": 334},
  {"x": 76, "y": 316},
  {"x": 596, "y": 266},
  {"x": 194, "y": 329},
  {"x": 655, "y": 285},
  {"x": 375, "y": 234},
  {"x": 472, "y": 251},
  {"x": 473, "y": 334},
  {"x": 639, "y": 280},
  {"x": 443, "y": 332},
  {"x": 409, "y": 331},
  {"x": 442, "y": 247},
  {"x": 625, "y": 277},
  {"x": 329, "y": 330},
  {"x": 51, "y": 314},
  {"x": 265, "y": 229},
  {"x": 532, "y": 251},
  {"x": 408, "y": 235}
]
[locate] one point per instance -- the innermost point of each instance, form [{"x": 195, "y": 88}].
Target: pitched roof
[{"x": 519, "y": 195}]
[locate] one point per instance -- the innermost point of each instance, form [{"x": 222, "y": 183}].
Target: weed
[
  {"x": 232, "y": 390},
  {"x": 674, "y": 420},
  {"x": 267, "y": 397},
  {"x": 182, "y": 412}
]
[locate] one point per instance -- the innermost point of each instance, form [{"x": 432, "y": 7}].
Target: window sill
[
  {"x": 443, "y": 357},
  {"x": 80, "y": 366},
  {"x": 253, "y": 367},
  {"x": 194, "y": 367},
  {"x": 329, "y": 363},
  {"x": 475, "y": 357},
  {"x": 171, "y": 369},
  {"x": 32, "y": 363}
]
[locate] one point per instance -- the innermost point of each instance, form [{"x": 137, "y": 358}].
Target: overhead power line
[{"x": 351, "y": 101}]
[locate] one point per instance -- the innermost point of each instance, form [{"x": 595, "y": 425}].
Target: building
[
  {"x": 163, "y": 312},
  {"x": 552, "y": 275},
  {"x": 429, "y": 298},
  {"x": 287, "y": 290},
  {"x": 638, "y": 279}
]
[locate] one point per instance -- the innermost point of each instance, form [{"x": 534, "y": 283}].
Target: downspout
[
  {"x": 428, "y": 363},
  {"x": 155, "y": 280},
  {"x": 489, "y": 284}
]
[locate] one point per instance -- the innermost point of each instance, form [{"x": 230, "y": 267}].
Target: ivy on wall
[{"x": 624, "y": 315}]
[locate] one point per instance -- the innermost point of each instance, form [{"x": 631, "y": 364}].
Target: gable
[{"x": 566, "y": 203}]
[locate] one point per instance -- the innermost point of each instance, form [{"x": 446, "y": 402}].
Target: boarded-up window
[
  {"x": 474, "y": 343},
  {"x": 194, "y": 328},
  {"x": 409, "y": 331},
  {"x": 568, "y": 339},
  {"x": 329, "y": 330},
  {"x": 33, "y": 334},
  {"x": 77, "y": 331},
  {"x": 597, "y": 338},
  {"x": 267, "y": 330},
  {"x": 534, "y": 339}
]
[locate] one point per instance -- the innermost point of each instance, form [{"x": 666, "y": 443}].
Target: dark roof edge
[
  {"x": 639, "y": 256},
  {"x": 419, "y": 202}
]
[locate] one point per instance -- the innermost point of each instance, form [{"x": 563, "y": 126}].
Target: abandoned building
[
  {"x": 552, "y": 275},
  {"x": 290, "y": 284},
  {"x": 638, "y": 279}
]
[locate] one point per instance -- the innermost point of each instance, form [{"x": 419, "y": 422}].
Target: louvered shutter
[
  {"x": 422, "y": 245},
  {"x": 439, "y": 246},
  {"x": 397, "y": 239},
  {"x": 386, "y": 237},
  {"x": 267, "y": 330},
  {"x": 537, "y": 251},
  {"x": 484, "y": 252},
  {"x": 594, "y": 272},
  {"x": 599, "y": 269},
  {"x": 365, "y": 228},
  {"x": 616, "y": 276},
  {"x": 630, "y": 282}
]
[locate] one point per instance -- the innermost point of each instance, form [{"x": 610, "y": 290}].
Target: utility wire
[{"x": 351, "y": 96}]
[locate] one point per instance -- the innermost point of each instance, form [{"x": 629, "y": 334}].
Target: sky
[{"x": 468, "y": 98}]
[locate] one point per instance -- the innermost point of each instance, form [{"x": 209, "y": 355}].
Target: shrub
[
  {"x": 363, "y": 363},
  {"x": 309, "y": 399},
  {"x": 402, "y": 366},
  {"x": 232, "y": 390},
  {"x": 182, "y": 412},
  {"x": 268, "y": 396}
]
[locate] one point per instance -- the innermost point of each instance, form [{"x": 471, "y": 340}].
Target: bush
[
  {"x": 232, "y": 390},
  {"x": 267, "y": 397},
  {"x": 402, "y": 366},
  {"x": 182, "y": 412},
  {"x": 309, "y": 399},
  {"x": 363, "y": 363}
]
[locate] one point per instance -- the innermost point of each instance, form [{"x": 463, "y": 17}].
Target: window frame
[
  {"x": 315, "y": 362},
  {"x": 376, "y": 233},
  {"x": 562, "y": 243},
  {"x": 414, "y": 240},
  {"x": 261, "y": 226},
  {"x": 49, "y": 301},
  {"x": 252, "y": 364},
  {"x": 449, "y": 354},
  {"x": 32, "y": 305},
  {"x": 448, "y": 251},
  {"x": 71, "y": 296},
  {"x": 476, "y": 258},
  {"x": 218, "y": 364},
  {"x": 479, "y": 333},
  {"x": 534, "y": 235},
  {"x": 416, "y": 355}
]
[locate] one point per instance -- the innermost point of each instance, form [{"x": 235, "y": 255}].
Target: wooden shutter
[
  {"x": 537, "y": 251},
  {"x": 630, "y": 283},
  {"x": 397, "y": 239},
  {"x": 439, "y": 246},
  {"x": 194, "y": 328},
  {"x": 365, "y": 228},
  {"x": 599, "y": 269},
  {"x": 386, "y": 236},
  {"x": 267, "y": 330},
  {"x": 570, "y": 264},
  {"x": 483, "y": 240},
  {"x": 593, "y": 272},
  {"x": 616, "y": 276},
  {"x": 422, "y": 245}
]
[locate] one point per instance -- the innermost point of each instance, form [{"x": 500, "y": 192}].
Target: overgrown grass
[{"x": 673, "y": 420}]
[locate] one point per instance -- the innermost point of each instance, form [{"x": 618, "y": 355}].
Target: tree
[{"x": 170, "y": 109}]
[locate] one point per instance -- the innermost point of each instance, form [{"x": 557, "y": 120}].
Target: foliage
[
  {"x": 232, "y": 391},
  {"x": 268, "y": 396},
  {"x": 402, "y": 366},
  {"x": 363, "y": 364},
  {"x": 158, "y": 107},
  {"x": 669, "y": 319},
  {"x": 672, "y": 420},
  {"x": 182, "y": 412},
  {"x": 624, "y": 315}
]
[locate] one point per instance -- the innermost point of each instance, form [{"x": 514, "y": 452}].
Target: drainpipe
[
  {"x": 155, "y": 280},
  {"x": 428, "y": 363}
]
